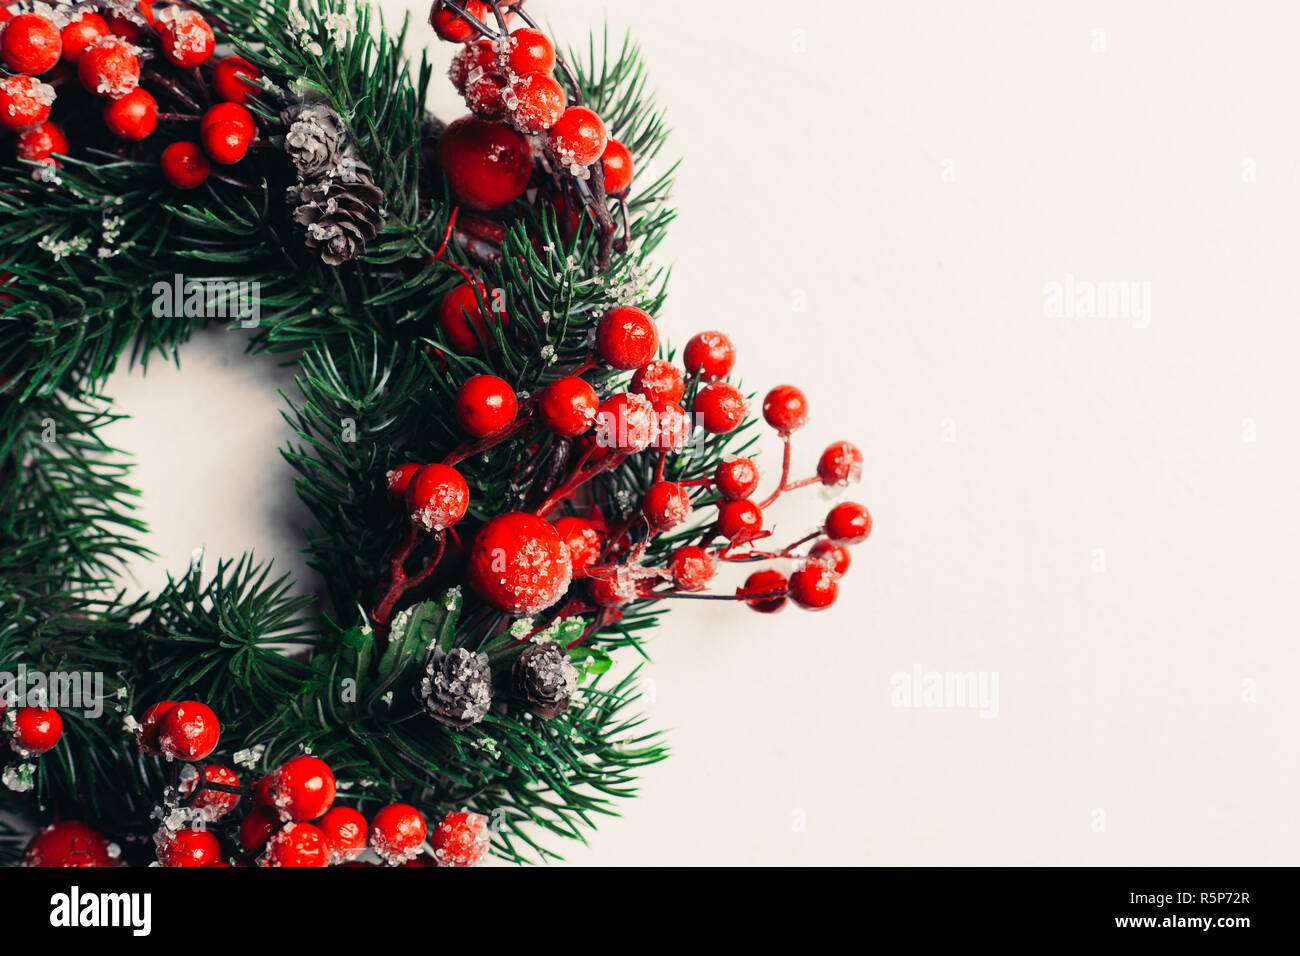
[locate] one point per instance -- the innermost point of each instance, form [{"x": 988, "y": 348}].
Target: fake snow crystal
[
  {"x": 548, "y": 354},
  {"x": 521, "y": 627},
  {"x": 62, "y": 248},
  {"x": 18, "y": 777},
  {"x": 250, "y": 756}
]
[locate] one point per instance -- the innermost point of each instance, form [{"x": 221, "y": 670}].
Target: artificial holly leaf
[{"x": 590, "y": 661}]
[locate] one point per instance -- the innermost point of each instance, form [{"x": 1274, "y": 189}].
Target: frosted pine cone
[
  {"x": 457, "y": 688},
  {"x": 317, "y": 139},
  {"x": 338, "y": 218},
  {"x": 546, "y": 678}
]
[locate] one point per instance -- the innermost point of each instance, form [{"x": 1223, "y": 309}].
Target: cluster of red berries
[
  {"x": 507, "y": 79},
  {"x": 31, "y": 731},
  {"x": 104, "y": 54}
]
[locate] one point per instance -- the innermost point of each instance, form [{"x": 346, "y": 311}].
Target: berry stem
[{"x": 398, "y": 581}]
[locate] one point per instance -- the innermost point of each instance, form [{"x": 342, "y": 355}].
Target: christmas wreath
[{"x": 509, "y": 473}]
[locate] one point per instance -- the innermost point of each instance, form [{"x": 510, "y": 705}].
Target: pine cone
[
  {"x": 546, "y": 678},
  {"x": 457, "y": 690},
  {"x": 338, "y": 217},
  {"x": 317, "y": 139}
]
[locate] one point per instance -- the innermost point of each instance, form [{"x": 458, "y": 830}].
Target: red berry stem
[
  {"x": 470, "y": 449},
  {"x": 578, "y": 477},
  {"x": 178, "y": 118},
  {"x": 398, "y": 581}
]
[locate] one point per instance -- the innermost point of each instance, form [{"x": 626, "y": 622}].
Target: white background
[{"x": 1104, "y": 516}]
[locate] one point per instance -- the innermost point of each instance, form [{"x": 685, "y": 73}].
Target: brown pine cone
[
  {"x": 545, "y": 678},
  {"x": 457, "y": 687}
]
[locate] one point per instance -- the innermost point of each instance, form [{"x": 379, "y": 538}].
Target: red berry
[
  {"x": 256, "y": 828},
  {"x": 24, "y": 102},
  {"x": 720, "y": 407},
  {"x": 666, "y": 505},
  {"x": 225, "y": 142},
  {"x": 146, "y": 734},
  {"x": 133, "y": 117},
  {"x": 297, "y": 845},
  {"x": 627, "y": 422},
  {"x": 834, "y": 556},
  {"x": 302, "y": 788},
  {"x": 185, "y": 166},
  {"x": 568, "y": 406},
  {"x": 583, "y": 539},
  {"x": 69, "y": 843},
  {"x": 618, "y": 168},
  {"x": 529, "y": 51},
  {"x": 487, "y": 164},
  {"x": 109, "y": 67},
  {"x": 840, "y": 464},
  {"x": 398, "y": 480},
  {"x": 770, "y": 583},
  {"x": 848, "y": 523},
  {"x": 785, "y": 408},
  {"x": 121, "y": 26},
  {"x": 82, "y": 32},
  {"x": 346, "y": 831},
  {"x": 519, "y": 563},
  {"x": 187, "y": 40},
  {"x": 463, "y": 322},
  {"x": 659, "y": 381},
  {"x": 710, "y": 355},
  {"x": 232, "y": 113},
  {"x": 692, "y": 568},
  {"x": 486, "y": 405},
  {"x": 538, "y": 103},
  {"x": 626, "y": 337},
  {"x": 578, "y": 137},
  {"x": 473, "y": 60},
  {"x": 36, "y": 730},
  {"x": 739, "y": 521},
  {"x": 614, "y": 590},
  {"x": 736, "y": 478},
  {"x": 437, "y": 497},
  {"x": 485, "y": 96},
  {"x": 814, "y": 587},
  {"x": 30, "y": 44},
  {"x": 189, "y": 847},
  {"x": 189, "y": 731},
  {"x": 397, "y": 833},
  {"x": 450, "y": 26},
  {"x": 214, "y": 804},
  {"x": 38, "y": 143},
  {"x": 460, "y": 839},
  {"x": 227, "y": 82},
  {"x": 674, "y": 427}
]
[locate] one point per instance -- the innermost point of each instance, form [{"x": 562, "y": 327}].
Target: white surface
[{"x": 1120, "y": 691}]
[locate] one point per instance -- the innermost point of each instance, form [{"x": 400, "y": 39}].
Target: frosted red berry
[
  {"x": 187, "y": 39},
  {"x": 536, "y": 103},
  {"x": 529, "y": 51},
  {"x": 710, "y": 355},
  {"x": 472, "y": 60},
  {"x": 80, "y": 33},
  {"x": 486, "y": 405},
  {"x": 568, "y": 406},
  {"x": 739, "y": 521},
  {"x": 578, "y": 137},
  {"x": 345, "y": 830},
  {"x": 297, "y": 845},
  {"x": 736, "y": 478},
  {"x": 785, "y": 408},
  {"x": 617, "y": 160},
  {"x": 24, "y": 102},
  {"x": 69, "y": 843},
  {"x": 463, "y": 322},
  {"x": 30, "y": 44},
  {"x": 256, "y": 828},
  {"x": 36, "y": 730},
  {"x": 39, "y": 143},
  {"x": 487, "y": 164},
  {"x": 109, "y": 67},
  {"x": 225, "y": 142},
  {"x": 519, "y": 563},
  {"x": 146, "y": 734},
  {"x": 692, "y": 568},
  {"x": 398, "y": 480},
  {"x": 213, "y": 804},
  {"x": 814, "y": 586},
  {"x": 302, "y": 788},
  {"x": 451, "y": 26},
  {"x": 659, "y": 381},
  {"x": 460, "y": 839},
  {"x": 720, "y": 407},
  {"x": 848, "y": 523},
  {"x": 185, "y": 165},
  {"x": 626, "y": 337},
  {"x": 189, "y": 731},
  {"x": 437, "y": 497},
  {"x": 189, "y": 847},
  {"x": 840, "y": 464},
  {"x": 132, "y": 117},
  {"x": 229, "y": 79},
  {"x": 397, "y": 832},
  {"x": 834, "y": 556},
  {"x": 765, "y": 591},
  {"x": 627, "y": 422},
  {"x": 666, "y": 505},
  {"x": 674, "y": 427},
  {"x": 485, "y": 96},
  {"x": 614, "y": 590},
  {"x": 583, "y": 539}
]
